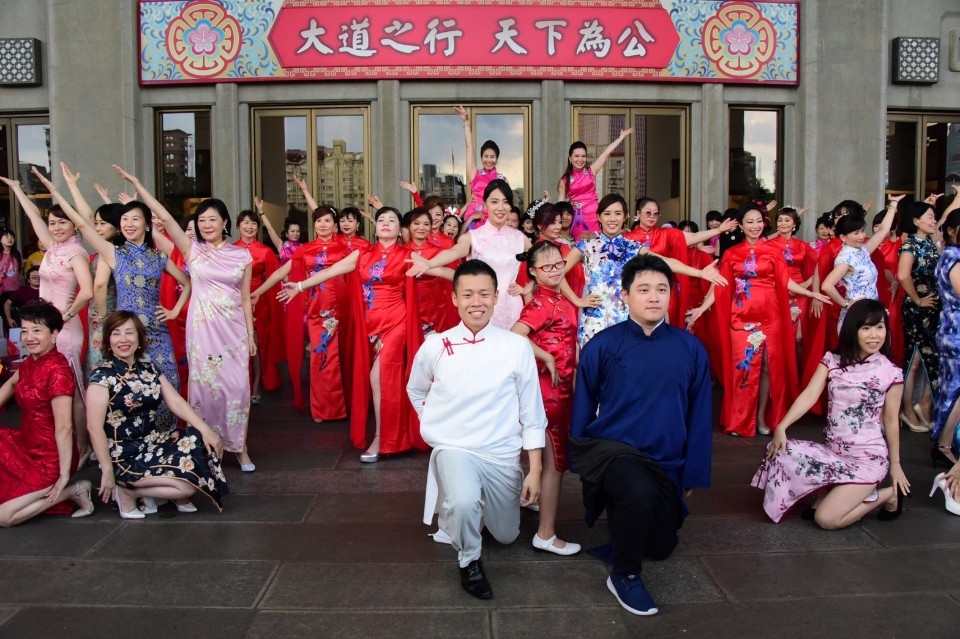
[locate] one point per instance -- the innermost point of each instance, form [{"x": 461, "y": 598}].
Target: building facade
[{"x": 844, "y": 129}]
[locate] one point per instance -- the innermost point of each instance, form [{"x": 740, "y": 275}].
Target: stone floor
[{"x": 314, "y": 544}]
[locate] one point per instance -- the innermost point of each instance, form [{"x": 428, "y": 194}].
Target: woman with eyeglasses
[{"x": 549, "y": 320}]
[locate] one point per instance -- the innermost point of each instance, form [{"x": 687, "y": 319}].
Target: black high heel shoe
[
  {"x": 890, "y": 515},
  {"x": 937, "y": 455}
]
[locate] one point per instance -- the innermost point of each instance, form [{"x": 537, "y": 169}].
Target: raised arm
[
  {"x": 106, "y": 249},
  {"x": 705, "y": 236},
  {"x": 103, "y": 193},
  {"x": 71, "y": 178},
  {"x": 277, "y": 242},
  {"x": 886, "y": 224},
  {"x": 602, "y": 158},
  {"x": 468, "y": 138},
  {"x": 312, "y": 203},
  {"x": 177, "y": 234},
  {"x": 32, "y": 212}
]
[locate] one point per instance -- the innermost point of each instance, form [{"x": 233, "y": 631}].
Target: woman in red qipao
[
  {"x": 550, "y": 321},
  {"x": 351, "y": 229},
  {"x": 754, "y": 325},
  {"x": 267, "y": 312},
  {"x": 393, "y": 335},
  {"x": 887, "y": 260},
  {"x": 434, "y": 294},
  {"x": 801, "y": 262},
  {"x": 706, "y": 329},
  {"x": 327, "y": 314},
  {"x": 36, "y": 460}
]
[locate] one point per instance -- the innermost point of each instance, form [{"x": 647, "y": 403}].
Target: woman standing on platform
[
  {"x": 474, "y": 212},
  {"x": 137, "y": 266},
  {"x": 496, "y": 244},
  {"x": 36, "y": 459},
  {"x": 386, "y": 350},
  {"x": 434, "y": 294},
  {"x": 916, "y": 273},
  {"x": 220, "y": 337},
  {"x": 327, "y": 320},
  {"x": 550, "y": 321},
  {"x": 267, "y": 312},
  {"x": 864, "y": 388},
  {"x": 66, "y": 283},
  {"x": 578, "y": 184},
  {"x": 755, "y": 329}
]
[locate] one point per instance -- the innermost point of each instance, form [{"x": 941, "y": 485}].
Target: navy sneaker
[{"x": 631, "y": 593}]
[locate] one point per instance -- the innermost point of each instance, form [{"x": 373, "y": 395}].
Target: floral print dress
[
  {"x": 855, "y": 451},
  {"x": 920, "y": 324},
  {"x": 948, "y": 345},
  {"x": 138, "y": 448},
  {"x": 862, "y": 282},
  {"x": 603, "y": 260}
]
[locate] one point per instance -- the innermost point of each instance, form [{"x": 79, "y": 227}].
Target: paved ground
[{"x": 315, "y": 545}]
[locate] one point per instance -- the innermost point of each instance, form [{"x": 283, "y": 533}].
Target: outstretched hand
[
  {"x": 289, "y": 291},
  {"x": 68, "y": 175},
  {"x": 50, "y": 186},
  {"x": 126, "y": 175},
  {"x": 711, "y": 274}
]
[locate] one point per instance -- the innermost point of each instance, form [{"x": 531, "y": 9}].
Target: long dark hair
[
  {"x": 568, "y": 173},
  {"x": 111, "y": 214},
  {"x": 14, "y": 252},
  {"x": 863, "y": 312}
]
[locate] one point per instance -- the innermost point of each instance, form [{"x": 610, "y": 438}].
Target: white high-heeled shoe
[{"x": 949, "y": 502}]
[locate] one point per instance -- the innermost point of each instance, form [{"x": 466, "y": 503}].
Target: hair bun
[{"x": 523, "y": 257}]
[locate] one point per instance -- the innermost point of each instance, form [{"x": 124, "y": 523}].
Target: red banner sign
[{"x": 472, "y": 36}]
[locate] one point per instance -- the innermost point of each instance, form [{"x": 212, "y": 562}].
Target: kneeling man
[
  {"x": 640, "y": 433},
  {"x": 476, "y": 390}
]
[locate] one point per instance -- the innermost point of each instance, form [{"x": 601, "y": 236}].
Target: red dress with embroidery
[
  {"x": 435, "y": 294},
  {"x": 324, "y": 307},
  {"x": 754, "y": 315},
  {"x": 822, "y": 333},
  {"x": 887, "y": 258},
  {"x": 29, "y": 459},
  {"x": 356, "y": 243},
  {"x": 705, "y": 329},
  {"x": 553, "y": 327},
  {"x": 670, "y": 243},
  {"x": 801, "y": 262},
  {"x": 392, "y": 320},
  {"x": 267, "y": 314}
]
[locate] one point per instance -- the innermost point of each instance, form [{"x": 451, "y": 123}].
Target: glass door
[{"x": 653, "y": 162}]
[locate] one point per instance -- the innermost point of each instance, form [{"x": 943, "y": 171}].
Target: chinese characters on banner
[{"x": 673, "y": 40}]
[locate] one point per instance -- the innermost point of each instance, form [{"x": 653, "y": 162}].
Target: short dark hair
[
  {"x": 863, "y": 312},
  {"x": 564, "y": 208},
  {"x": 490, "y": 144},
  {"x": 431, "y": 201},
  {"x": 474, "y": 267},
  {"x": 849, "y": 223},
  {"x": 643, "y": 264},
  {"x": 218, "y": 206},
  {"x": 714, "y": 216},
  {"x": 530, "y": 257},
  {"x": 952, "y": 222},
  {"x": 40, "y": 311},
  {"x": 909, "y": 215},
  {"x": 848, "y": 207},
  {"x": 792, "y": 213},
  {"x": 688, "y": 225},
  {"x": 326, "y": 209},
  {"x": 247, "y": 213},
  {"x": 387, "y": 209},
  {"x": 116, "y": 319},
  {"x": 413, "y": 214},
  {"x": 498, "y": 185},
  {"x": 825, "y": 220}
]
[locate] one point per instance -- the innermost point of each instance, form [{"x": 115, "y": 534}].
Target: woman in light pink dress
[
  {"x": 578, "y": 184},
  {"x": 496, "y": 244},
  {"x": 65, "y": 282},
  {"x": 220, "y": 337},
  {"x": 474, "y": 213},
  {"x": 862, "y": 432}
]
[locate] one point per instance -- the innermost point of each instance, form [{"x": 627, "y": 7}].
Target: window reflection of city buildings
[
  {"x": 596, "y": 132},
  {"x": 451, "y": 188},
  {"x": 342, "y": 176}
]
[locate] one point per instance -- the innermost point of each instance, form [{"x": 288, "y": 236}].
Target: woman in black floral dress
[
  {"x": 916, "y": 273},
  {"x": 124, "y": 394}
]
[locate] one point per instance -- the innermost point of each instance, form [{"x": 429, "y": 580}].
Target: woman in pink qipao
[
  {"x": 474, "y": 213},
  {"x": 579, "y": 184}
]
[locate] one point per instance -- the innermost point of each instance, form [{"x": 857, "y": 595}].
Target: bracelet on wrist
[{"x": 300, "y": 286}]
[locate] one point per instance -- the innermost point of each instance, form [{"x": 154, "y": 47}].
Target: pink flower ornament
[
  {"x": 204, "y": 38},
  {"x": 739, "y": 38}
]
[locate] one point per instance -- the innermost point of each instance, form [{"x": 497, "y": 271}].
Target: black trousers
[{"x": 643, "y": 515}]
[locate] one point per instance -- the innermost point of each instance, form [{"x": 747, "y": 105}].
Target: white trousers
[{"x": 477, "y": 494}]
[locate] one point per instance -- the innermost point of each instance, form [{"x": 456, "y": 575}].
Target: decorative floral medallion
[
  {"x": 739, "y": 40},
  {"x": 203, "y": 39}
]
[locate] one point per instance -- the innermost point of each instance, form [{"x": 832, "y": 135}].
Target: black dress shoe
[{"x": 474, "y": 581}]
